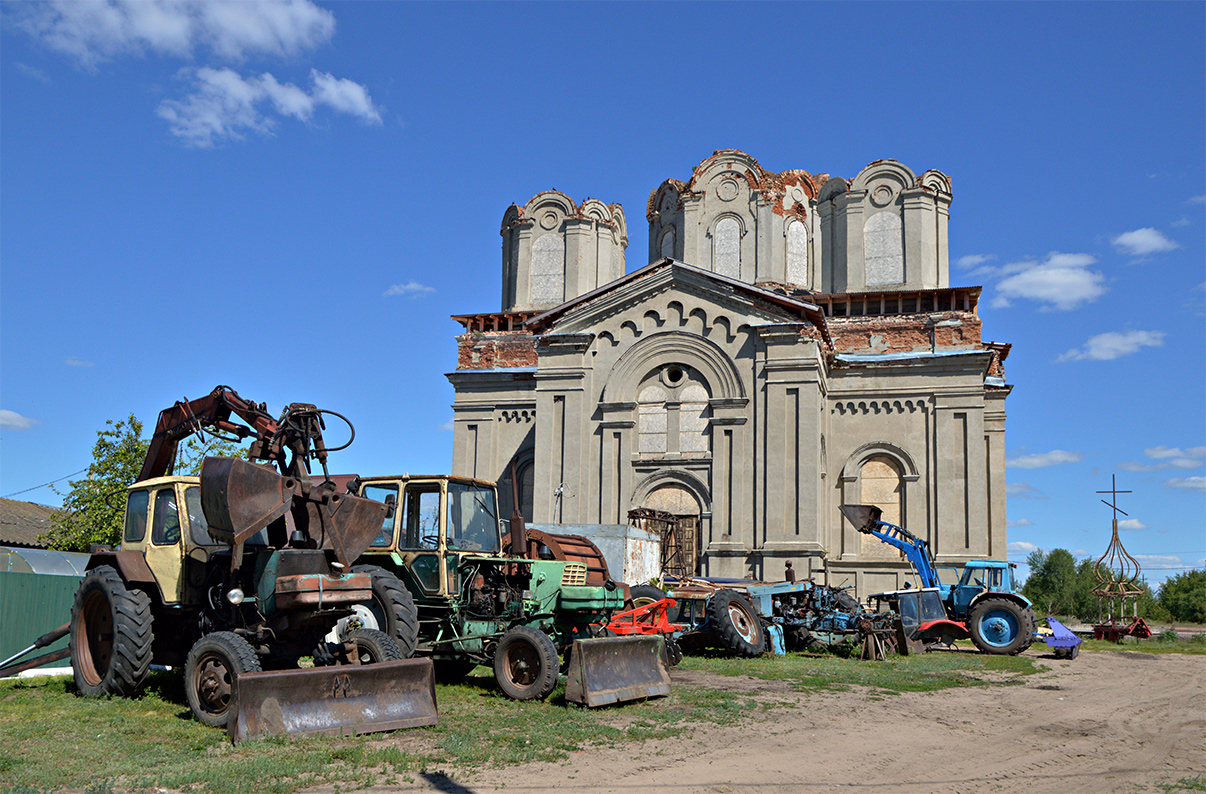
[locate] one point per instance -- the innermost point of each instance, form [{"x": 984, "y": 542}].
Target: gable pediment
[{"x": 671, "y": 295}]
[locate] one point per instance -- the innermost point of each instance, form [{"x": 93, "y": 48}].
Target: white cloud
[
  {"x": 1197, "y": 199},
  {"x": 448, "y": 426},
  {"x": 1142, "y": 242},
  {"x": 1187, "y": 484},
  {"x": 14, "y": 420},
  {"x": 1021, "y": 547},
  {"x": 1023, "y": 490},
  {"x": 1162, "y": 452},
  {"x": 72, "y": 361},
  {"x": 1179, "y": 222},
  {"x": 1169, "y": 457},
  {"x": 409, "y": 288},
  {"x": 93, "y": 32},
  {"x": 1159, "y": 561},
  {"x": 1114, "y": 344},
  {"x": 33, "y": 71},
  {"x": 223, "y": 104},
  {"x": 1131, "y": 523},
  {"x": 1021, "y": 522},
  {"x": 1063, "y": 280},
  {"x": 971, "y": 260},
  {"x": 1041, "y": 460}
]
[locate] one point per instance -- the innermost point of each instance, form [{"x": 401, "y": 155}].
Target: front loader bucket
[
  {"x": 614, "y": 669},
  {"x": 863, "y": 517},
  {"x": 341, "y": 699}
]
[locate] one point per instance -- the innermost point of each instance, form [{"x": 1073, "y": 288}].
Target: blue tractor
[{"x": 985, "y": 604}]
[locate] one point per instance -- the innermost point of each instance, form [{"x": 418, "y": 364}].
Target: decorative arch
[
  {"x": 658, "y": 348},
  {"x": 834, "y": 186},
  {"x": 550, "y": 199},
  {"x": 686, "y": 480},
  {"x": 884, "y": 171},
  {"x": 872, "y": 449}
]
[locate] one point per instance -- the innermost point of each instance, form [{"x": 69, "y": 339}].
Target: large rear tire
[
  {"x": 211, "y": 675},
  {"x": 526, "y": 664},
  {"x": 735, "y": 624},
  {"x": 1001, "y": 626},
  {"x": 393, "y": 607},
  {"x": 110, "y": 635}
]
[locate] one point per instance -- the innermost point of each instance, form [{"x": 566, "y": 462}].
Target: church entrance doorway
[{"x": 672, "y": 512}]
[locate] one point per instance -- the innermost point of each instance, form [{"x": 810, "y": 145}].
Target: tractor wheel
[
  {"x": 674, "y": 652},
  {"x": 1000, "y": 626},
  {"x": 374, "y": 646},
  {"x": 393, "y": 607},
  {"x": 643, "y": 594},
  {"x": 211, "y": 675},
  {"x": 452, "y": 671},
  {"x": 733, "y": 621},
  {"x": 110, "y": 635},
  {"x": 526, "y": 664}
]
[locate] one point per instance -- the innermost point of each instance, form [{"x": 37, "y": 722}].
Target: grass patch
[
  {"x": 1186, "y": 784},
  {"x": 1161, "y": 643},
  {"x": 53, "y": 740},
  {"x": 919, "y": 673}
]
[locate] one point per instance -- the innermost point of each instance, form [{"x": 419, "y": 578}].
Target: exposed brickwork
[
  {"x": 495, "y": 350},
  {"x": 906, "y": 333}
]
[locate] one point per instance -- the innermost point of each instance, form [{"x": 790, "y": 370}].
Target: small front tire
[
  {"x": 526, "y": 664},
  {"x": 211, "y": 675},
  {"x": 372, "y": 646}
]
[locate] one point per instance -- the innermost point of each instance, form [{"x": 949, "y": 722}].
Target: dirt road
[{"x": 1105, "y": 722}]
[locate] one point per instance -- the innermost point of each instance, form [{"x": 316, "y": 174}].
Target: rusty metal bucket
[
  {"x": 615, "y": 669},
  {"x": 338, "y": 700},
  {"x": 240, "y": 498}
]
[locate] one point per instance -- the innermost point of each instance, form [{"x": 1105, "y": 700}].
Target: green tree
[
  {"x": 86, "y": 517},
  {"x": 1184, "y": 596},
  {"x": 1052, "y": 581}
]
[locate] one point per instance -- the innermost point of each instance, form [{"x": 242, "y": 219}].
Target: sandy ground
[{"x": 1104, "y": 722}]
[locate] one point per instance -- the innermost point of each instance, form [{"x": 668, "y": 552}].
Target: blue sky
[{"x": 293, "y": 198}]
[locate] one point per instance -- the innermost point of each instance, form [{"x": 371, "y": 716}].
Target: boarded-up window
[
  {"x": 548, "y": 269},
  {"x": 797, "y": 254},
  {"x": 881, "y": 486},
  {"x": 693, "y": 419},
  {"x": 883, "y": 249},
  {"x": 727, "y": 248},
  {"x": 651, "y": 415},
  {"x": 668, "y": 243}
]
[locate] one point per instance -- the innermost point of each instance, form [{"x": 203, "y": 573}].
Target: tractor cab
[{"x": 980, "y": 577}]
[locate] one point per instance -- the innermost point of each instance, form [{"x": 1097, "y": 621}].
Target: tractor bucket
[
  {"x": 339, "y": 700},
  {"x": 240, "y": 498},
  {"x": 863, "y": 517},
  {"x": 615, "y": 669}
]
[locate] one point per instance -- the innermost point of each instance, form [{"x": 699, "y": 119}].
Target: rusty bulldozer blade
[
  {"x": 338, "y": 700},
  {"x": 615, "y": 669}
]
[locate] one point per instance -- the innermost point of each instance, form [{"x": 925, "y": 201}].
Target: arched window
[
  {"x": 673, "y": 414},
  {"x": 667, "y": 246},
  {"x": 548, "y": 269},
  {"x": 883, "y": 249},
  {"x": 881, "y": 486},
  {"x": 726, "y": 253}
]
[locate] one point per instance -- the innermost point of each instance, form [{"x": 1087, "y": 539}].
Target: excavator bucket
[
  {"x": 863, "y": 517},
  {"x": 339, "y": 700},
  {"x": 240, "y": 498},
  {"x": 615, "y": 669}
]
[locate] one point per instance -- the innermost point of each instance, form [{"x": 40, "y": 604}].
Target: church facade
[{"x": 792, "y": 345}]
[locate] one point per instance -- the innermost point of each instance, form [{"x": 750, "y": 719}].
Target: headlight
[{"x": 235, "y": 596}]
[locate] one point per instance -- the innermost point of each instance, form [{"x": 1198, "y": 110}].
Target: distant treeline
[{"x": 1058, "y": 585}]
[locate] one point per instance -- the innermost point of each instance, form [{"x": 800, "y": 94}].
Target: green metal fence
[{"x": 32, "y": 604}]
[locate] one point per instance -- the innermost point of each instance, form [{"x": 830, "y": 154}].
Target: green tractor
[{"x": 445, "y": 586}]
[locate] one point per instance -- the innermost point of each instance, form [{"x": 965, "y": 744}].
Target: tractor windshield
[{"x": 473, "y": 519}]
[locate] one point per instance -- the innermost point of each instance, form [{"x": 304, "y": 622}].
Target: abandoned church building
[{"x": 793, "y": 344}]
